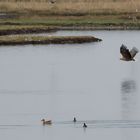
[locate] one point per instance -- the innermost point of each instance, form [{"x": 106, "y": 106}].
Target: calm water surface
[{"x": 59, "y": 82}]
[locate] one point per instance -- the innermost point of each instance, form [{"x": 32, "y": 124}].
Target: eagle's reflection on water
[
  {"x": 128, "y": 98},
  {"x": 128, "y": 86}
]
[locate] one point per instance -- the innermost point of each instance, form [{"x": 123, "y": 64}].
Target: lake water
[{"x": 59, "y": 82}]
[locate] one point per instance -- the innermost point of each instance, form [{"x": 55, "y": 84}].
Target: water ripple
[{"x": 105, "y": 123}]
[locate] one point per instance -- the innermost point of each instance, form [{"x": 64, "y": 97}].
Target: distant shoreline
[
  {"x": 54, "y": 29},
  {"x": 100, "y": 28},
  {"x": 15, "y": 27}
]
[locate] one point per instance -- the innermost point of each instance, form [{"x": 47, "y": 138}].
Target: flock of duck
[{"x": 49, "y": 122}]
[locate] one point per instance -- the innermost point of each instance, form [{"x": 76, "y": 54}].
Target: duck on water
[
  {"x": 46, "y": 122},
  {"x": 84, "y": 125}
]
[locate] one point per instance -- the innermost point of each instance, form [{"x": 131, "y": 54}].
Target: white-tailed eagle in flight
[{"x": 128, "y": 55}]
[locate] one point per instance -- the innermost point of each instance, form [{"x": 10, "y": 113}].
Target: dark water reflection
[
  {"x": 129, "y": 98},
  {"x": 128, "y": 86},
  {"x": 129, "y": 104}
]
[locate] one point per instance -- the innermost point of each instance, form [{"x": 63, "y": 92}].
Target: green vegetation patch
[{"x": 45, "y": 22}]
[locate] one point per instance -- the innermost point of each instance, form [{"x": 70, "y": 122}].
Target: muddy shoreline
[
  {"x": 27, "y": 31},
  {"x": 54, "y": 29},
  {"x": 100, "y": 28}
]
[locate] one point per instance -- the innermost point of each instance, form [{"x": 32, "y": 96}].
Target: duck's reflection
[{"x": 129, "y": 97}]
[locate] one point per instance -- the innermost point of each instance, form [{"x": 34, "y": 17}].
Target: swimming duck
[
  {"x": 128, "y": 55},
  {"x": 84, "y": 125},
  {"x": 46, "y": 122}
]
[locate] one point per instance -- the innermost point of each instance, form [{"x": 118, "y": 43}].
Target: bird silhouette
[
  {"x": 74, "y": 120},
  {"x": 84, "y": 125},
  {"x": 126, "y": 54}
]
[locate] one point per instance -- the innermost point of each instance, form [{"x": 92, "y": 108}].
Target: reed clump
[{"x": 71, "y": 7}]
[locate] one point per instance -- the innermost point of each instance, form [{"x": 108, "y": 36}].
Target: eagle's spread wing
[
  {"x": 133, "y": 52},
  {"x": 125, "y": 52}
]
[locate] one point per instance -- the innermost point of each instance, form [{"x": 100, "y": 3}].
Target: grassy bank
[
  {"x": 37, "y": 24},
  {"x": 27, "y": 14},
  {"x": 24, "y": 40}
]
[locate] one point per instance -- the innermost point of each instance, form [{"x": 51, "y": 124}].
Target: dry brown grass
[{"x": 71, "y": 6}]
